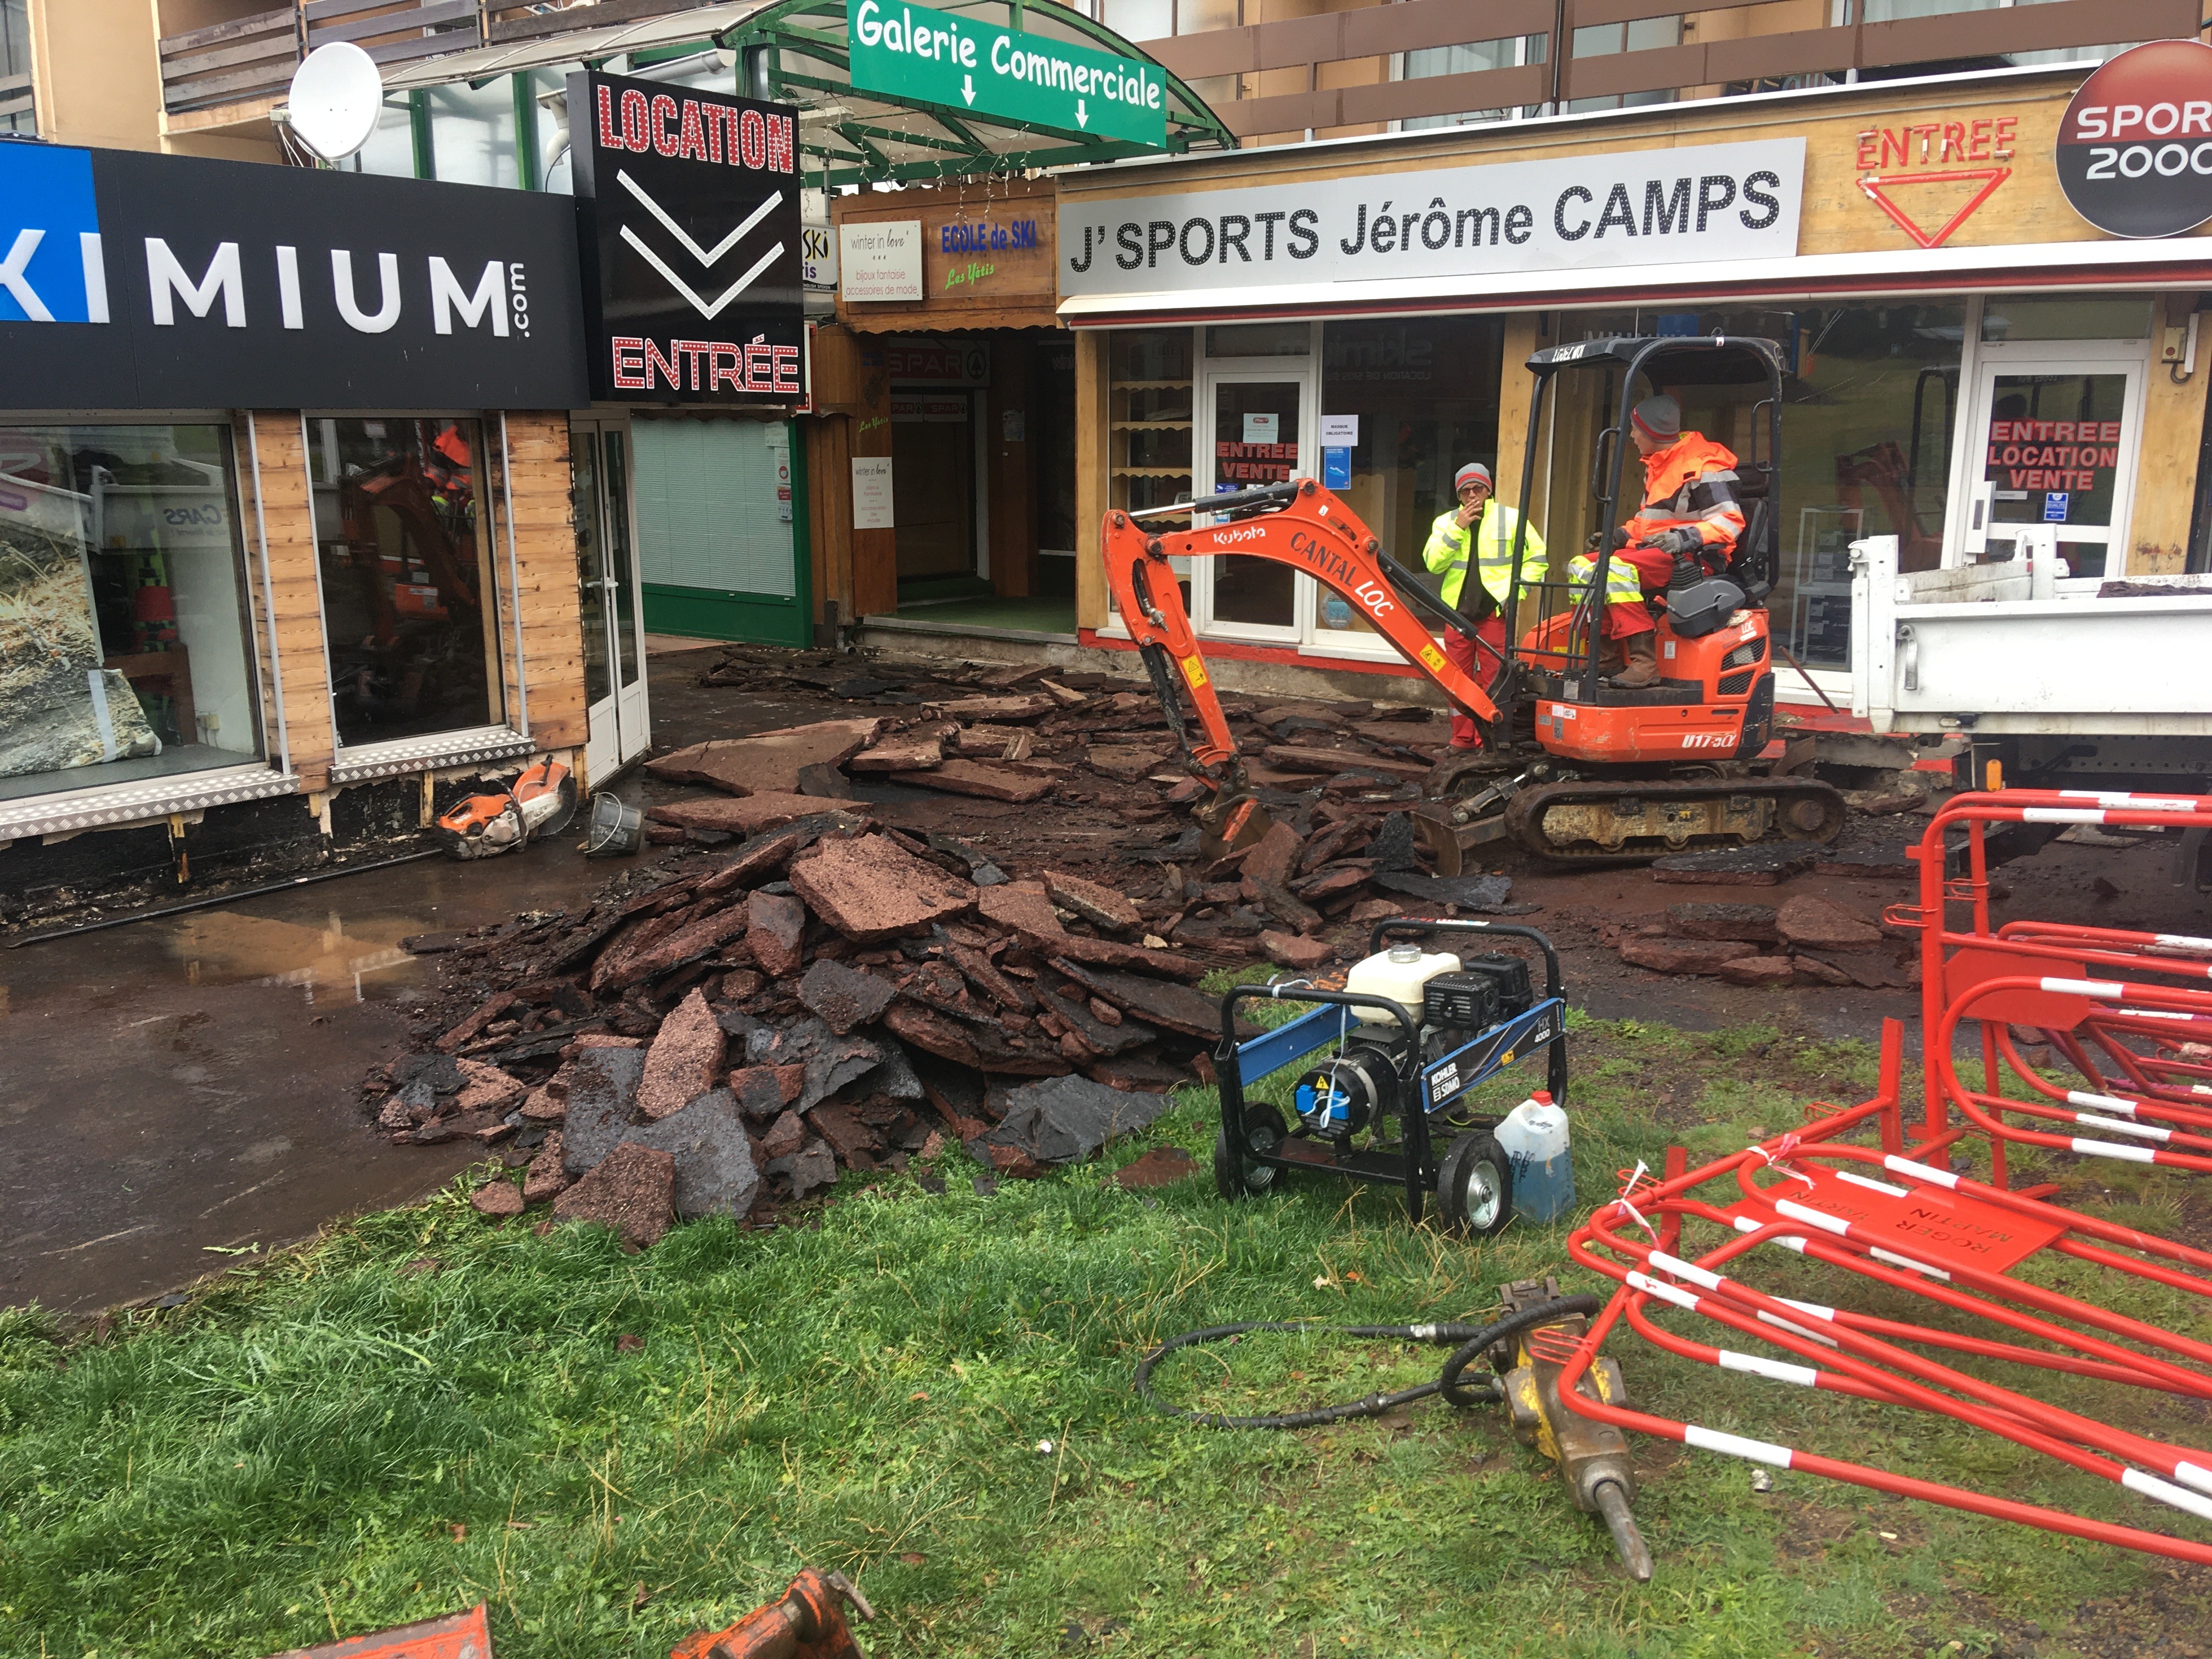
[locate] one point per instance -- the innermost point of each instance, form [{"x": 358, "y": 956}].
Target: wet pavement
[{"x": 186, "y": 1087}]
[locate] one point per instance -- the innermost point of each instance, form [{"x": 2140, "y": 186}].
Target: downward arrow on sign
[
  {"x": 968, "y": 87},
  {"x": 1082, "y": 117}
]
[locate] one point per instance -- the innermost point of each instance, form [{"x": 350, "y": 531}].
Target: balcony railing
[
  {"x": 1312, "y": 44},
  {"x": 534, "y": 20},
  {"x": 251, "y": 58}
]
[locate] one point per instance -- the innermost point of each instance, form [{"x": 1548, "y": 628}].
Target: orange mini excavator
[{"x": 1573, "y": 766}]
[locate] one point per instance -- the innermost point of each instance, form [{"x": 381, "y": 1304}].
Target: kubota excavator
[{"x": 1573, "y": 766}]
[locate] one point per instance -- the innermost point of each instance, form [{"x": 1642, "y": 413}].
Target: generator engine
[{"x": 1457, "y": 998}]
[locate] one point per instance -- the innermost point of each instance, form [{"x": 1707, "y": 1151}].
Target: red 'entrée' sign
[
  {"x": 2053, "y": 454},
  {"x": 1235, "y": 463}
]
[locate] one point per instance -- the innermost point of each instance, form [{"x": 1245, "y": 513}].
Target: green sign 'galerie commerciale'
[{"x": 928, "y": 56}]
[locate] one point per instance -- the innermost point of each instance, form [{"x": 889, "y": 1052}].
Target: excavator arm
[{"x": 1299, "y": 524}]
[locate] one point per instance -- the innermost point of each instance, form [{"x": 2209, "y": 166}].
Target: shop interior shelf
[
  {"x": 1151, "y": 386},
  {"x": 1152, "y": 426},
  {"x": 1152, "y": 472}
]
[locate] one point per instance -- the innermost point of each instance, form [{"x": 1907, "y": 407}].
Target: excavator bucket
[{"x": 1230, "y": 823}]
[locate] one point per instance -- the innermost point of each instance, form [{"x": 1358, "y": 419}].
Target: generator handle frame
[
  {"x": 1420, "y": 1164},
  {"x": 1555, "y": 1074}
]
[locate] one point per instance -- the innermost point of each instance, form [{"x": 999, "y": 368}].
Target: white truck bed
[{"x": 2004, "y": 649}]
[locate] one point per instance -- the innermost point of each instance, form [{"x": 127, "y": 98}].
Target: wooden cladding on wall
[
  {"x": 543, "y": 608},
  {"x": 276, "y": 502}
]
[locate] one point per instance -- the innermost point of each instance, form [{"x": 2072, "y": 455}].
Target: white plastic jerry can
[{"x": 1533, "y": 1138}]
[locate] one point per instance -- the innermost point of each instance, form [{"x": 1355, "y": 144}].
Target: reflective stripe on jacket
[
  {"x": 1622, "y": 584},
  {"x": 1688, "y": 484},
  {"x": 1447, "y": 552}
]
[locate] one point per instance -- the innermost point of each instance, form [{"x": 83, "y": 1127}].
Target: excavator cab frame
[{"x": 1661, "y": 361}]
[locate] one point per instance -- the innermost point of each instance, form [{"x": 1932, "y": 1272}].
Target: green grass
[{"x": 328, "y": 1442}]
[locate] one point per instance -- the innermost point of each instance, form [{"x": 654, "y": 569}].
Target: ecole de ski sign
[{"x": 1708, "y": 203}]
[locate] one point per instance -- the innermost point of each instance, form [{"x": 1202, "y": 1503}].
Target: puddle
[{"x": 186, "y": 1087}]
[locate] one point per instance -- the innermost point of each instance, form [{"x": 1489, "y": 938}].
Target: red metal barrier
[
  {"x": 2130, "y": 1011},
  {"x": 1886, "y": 1220}
]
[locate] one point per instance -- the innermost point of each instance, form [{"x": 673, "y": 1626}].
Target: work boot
[{"x": 1641, "y": 651}]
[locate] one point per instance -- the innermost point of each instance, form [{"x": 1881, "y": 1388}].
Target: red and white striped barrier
[
  {"x": 2130, "y": 1011},
  {"x": 1876, "y": 1221}
]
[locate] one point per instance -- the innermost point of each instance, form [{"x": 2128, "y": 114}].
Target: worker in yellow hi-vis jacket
[{"x": 1479, "y": 530}]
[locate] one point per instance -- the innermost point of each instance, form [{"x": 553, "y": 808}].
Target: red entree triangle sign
[{"x": 1878, "y": 186}]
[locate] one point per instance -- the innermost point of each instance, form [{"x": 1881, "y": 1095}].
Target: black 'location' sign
[{"x": 692, "y": 284}]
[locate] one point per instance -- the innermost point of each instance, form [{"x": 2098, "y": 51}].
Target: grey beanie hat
[{"x": 1658, "y": 418}]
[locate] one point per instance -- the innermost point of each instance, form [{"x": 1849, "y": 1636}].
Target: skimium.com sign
[
  {"x": 927, "y": 55},
  {"x": 1711, "y": 202},
  {"x": 134, "y": 281}
]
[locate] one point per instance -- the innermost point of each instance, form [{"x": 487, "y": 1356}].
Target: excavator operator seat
[{"x": 1753, "y": 567}]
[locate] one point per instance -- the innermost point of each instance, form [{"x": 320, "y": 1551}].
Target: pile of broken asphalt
[{"x": 807, "y": 988}]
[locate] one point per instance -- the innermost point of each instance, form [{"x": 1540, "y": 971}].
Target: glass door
[
  {"x": 1255, "y": 428},
  {"x": 2057, "y": 429},
  {"x": 610, "y": 603}
]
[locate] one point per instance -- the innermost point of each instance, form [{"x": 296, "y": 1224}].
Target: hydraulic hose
[{"x": 1469, "y": 1343}]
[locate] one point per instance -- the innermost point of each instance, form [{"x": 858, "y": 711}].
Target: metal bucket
[{"x": 615, "y": 829}]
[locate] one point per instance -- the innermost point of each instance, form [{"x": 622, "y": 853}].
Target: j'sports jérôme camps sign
[
  {"x": 2135, "y": 147},
  {"x": 928, "y": 56}
]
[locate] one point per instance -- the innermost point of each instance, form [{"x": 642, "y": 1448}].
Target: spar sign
[
  {"x": 922, "y": 55},
  {"x": 2135, "y": 148}
]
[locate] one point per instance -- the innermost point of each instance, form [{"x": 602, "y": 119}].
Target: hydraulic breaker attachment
[{"x": 1593, "y": 1456}]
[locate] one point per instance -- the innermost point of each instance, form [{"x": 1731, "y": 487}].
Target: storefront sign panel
[
  {"x": 689, "y": 200},
  {"x": 879, "y": 259},
  {"x": 920, "y": 53},
  {"x": 2135, "y": 147},
  {"x": 1716, "y": 202},
  {"x": 921, "y": 361},
  {"x": 871, "y": 493},
  {"x": 138, "y": 280},
  {"x": 817, "y": 256}
]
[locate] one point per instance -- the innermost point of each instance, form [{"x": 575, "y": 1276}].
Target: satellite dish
[{"x": 336, "y": 98}]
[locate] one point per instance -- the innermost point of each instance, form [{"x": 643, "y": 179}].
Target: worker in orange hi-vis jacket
[{"x": 1689, "y": 511}]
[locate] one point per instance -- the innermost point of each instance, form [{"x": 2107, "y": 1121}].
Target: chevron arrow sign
[{"x": 691, "y": 242}]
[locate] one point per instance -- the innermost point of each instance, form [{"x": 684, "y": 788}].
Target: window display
[
  {"x": 123, "y": 623},
  {"x": 410, "y": 593}
]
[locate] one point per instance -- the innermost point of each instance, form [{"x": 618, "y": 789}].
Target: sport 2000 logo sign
[{"x": 2135, "y": 148}]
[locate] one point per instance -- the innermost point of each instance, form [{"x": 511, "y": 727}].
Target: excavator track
[{"x": 1609, "y": 821}]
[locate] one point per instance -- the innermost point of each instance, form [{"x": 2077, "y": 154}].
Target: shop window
[
  {"x": 2091, "y": 317},
  {"x": 1260, "y": 340},
  {"x": 410, "y": 593},
  {"x": 1150, "y": 400},
  {"x": 1424, "y": 391},
  {"x": 1870, "y": 404},
  {"x": 123, "y": 633},
  {"x": 1149, "y": 419}
]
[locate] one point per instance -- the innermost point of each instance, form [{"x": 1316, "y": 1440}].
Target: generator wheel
[
  {"x": 1235, "y": 1176},
  {"x": 1474, "y": 1188}
]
